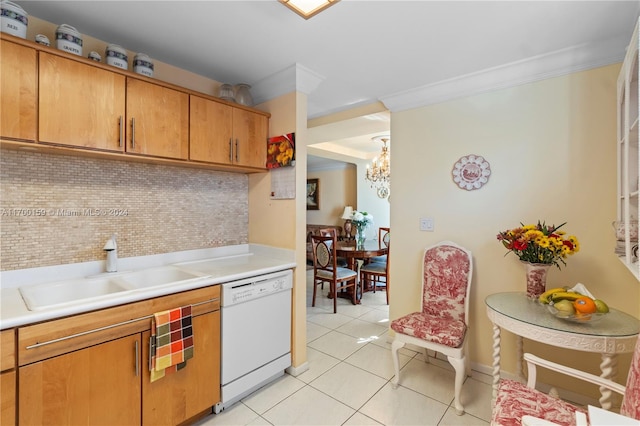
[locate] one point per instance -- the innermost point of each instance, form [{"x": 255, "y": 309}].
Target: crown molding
[
  {"x": 561, "y": 62},
  {"x": 294, "y": 78}
]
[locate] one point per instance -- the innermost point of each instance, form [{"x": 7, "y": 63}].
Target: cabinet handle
[
  {"x": 152, "y": 351},
  {"x": 137, "y": 360},
  {"x": 236, "y": 150},
  {"x": 230, "y": 150},
  {"x": 120, "y": 132},
  {"x": 133, "y": 133}
]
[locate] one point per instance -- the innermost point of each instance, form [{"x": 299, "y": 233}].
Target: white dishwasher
[{"x": 256, "y": 333}]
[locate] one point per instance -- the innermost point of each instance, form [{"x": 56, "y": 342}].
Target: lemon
[{"x": 601, "y": 307}]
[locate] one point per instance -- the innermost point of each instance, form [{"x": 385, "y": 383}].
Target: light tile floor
[{"x": 349, "y": 378}]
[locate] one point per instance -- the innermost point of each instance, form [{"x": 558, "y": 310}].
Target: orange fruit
[{"x": 585, "y": 305}]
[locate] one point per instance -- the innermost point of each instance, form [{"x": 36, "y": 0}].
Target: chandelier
[{"x": 379, "y": 172}]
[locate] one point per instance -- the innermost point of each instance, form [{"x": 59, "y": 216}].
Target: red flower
[{"x": 520, "y": 245}]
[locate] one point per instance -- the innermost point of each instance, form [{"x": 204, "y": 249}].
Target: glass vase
[
  {"x": 360, "y": 237},
  {"x": 536, "y": 274},
  {"x": 243, "y": 95}
]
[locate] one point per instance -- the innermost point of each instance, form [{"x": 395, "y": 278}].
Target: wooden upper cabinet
[
  {"x": 18, "y": 84},
  {"x": 157, "y": 120},
  {"x": 80, "y": 105},
  {"x": 211, "y": 130},
  {"x": 250, "y": 138},
  {"x": 224, "y": 134}
]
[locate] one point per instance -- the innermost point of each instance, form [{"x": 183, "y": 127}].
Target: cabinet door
[
  {"x": 18, "y": 87},
  {"x": 157, "y": 120},
  {"x": 99, "y": 385},
  {"x": 80, "y": 105},
  {"x": 211, "y": 131},
  {"x": 8, "y": 398},
  {"x": 195, "y": 388},
  {"x": 250, "y": 138}
]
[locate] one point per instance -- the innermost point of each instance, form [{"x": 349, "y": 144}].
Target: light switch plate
[{"x": 426, "y": 224}]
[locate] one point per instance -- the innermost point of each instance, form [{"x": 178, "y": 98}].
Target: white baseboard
[{"x": 296, "y": 371}]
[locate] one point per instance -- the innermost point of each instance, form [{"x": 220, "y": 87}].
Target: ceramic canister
[
  {"x": 94, "y": 56},
  {"x": 14, "y": 19},
  {"x": 69, "y": 39},
  {"x": 142, "y": 64},
  {"x": 117, "y": 56},
  {"x": 42, "y": 39}
]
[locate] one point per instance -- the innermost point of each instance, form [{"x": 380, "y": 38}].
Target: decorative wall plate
[{"x": 471, "y": 172}]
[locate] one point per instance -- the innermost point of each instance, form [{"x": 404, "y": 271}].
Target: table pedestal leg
[
  {"x": 496, "y": 361},
  {"x": 609, "y": 368}
]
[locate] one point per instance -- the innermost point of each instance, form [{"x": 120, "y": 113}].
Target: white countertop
[{"x": 232, "y": 263}]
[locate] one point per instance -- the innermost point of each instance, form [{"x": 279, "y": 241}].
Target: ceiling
[{"x": 357, "y": 52}]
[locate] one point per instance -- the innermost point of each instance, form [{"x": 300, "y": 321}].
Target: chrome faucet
[{"x": 112, "y": 254}]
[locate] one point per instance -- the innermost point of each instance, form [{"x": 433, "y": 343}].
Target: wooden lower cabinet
[
  {"x": 93, "y": 368},
  {"x": 99, "y": 385},
  {"x": 8, "y": 398},
  {"x": 185, "y": 393}
]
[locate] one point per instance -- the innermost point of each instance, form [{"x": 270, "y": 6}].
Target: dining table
[{"x": 353, "y": 252}]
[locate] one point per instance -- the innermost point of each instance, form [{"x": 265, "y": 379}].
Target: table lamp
[{"x": 348, "y": 227}]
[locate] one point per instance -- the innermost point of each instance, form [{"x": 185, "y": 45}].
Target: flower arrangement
[
  {"x": 361, "y": 220},
  {"x": 539, "y": 243}
]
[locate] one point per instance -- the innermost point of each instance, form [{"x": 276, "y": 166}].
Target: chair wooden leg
[
  {"x": 354, "y": 296},
  {"x": 334, "y": 293},
  {"x": 459, "y": 365},
  {"x": 395, "y": 345},
  {"x": 315, "y": 286}
]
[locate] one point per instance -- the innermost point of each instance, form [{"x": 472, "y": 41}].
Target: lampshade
[{"x": 348, "y": 211}]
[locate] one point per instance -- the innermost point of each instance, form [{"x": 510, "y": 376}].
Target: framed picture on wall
[{"x": 313, "y": 189}]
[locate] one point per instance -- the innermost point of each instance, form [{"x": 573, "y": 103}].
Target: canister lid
[{"x": 9, "y": 5}]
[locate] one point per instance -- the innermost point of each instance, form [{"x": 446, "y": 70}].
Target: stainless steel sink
[
  {"x": 154, "y": 277},
  {"x": 62, "y": 293}
]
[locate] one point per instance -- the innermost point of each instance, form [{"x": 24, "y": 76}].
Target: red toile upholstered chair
[
  {"x": 516, "y": 400},
  {"x": 441, "y": 324}
]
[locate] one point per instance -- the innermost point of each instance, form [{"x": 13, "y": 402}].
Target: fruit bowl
[{"x": 577, "y": 318}]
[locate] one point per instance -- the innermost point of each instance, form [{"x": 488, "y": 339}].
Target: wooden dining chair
[
  {"x": 384, "y": 237},
  {"x": 375, "y": 274},
  {"x": 326, "y": 269},
  {"x": 333, "y": 232}
]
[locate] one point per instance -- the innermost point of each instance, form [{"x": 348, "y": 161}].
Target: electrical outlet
[{"x": 426, "y": 224}]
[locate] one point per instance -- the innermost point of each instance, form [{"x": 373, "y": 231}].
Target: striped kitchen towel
[{"x": 171, "y": 341}]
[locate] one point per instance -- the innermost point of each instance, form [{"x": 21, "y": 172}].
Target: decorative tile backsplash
[{"x": 59, "y": 209}]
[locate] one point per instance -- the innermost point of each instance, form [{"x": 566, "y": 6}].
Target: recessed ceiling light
[{"x": 308, "y": 8}]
